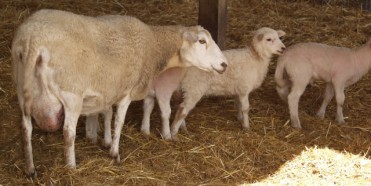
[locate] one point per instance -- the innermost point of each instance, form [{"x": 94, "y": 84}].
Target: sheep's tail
[
  {"x": 31, "y": 55},
  {"x": 283, "y": 84}
]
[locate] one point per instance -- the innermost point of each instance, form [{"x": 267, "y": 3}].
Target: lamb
[
  {"x": 303, "y": 63},
  {"x": 162, "y": 88},
  {"x": 246, "y": 71},
  {"x": 66, "y": 65}
]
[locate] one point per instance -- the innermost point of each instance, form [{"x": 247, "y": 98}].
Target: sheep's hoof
[
  {"x": 116, "y": 158},
  {"x": 145, "y": 132}
]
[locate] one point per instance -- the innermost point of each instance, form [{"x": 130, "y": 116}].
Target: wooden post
[
  {"x": 366, "y": 5},
  {"x": 212, "y": 15}
]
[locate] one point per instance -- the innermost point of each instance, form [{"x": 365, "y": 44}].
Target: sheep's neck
[
  {"x": 174, "y": 61},
  {"x": 362, "y": 61}
]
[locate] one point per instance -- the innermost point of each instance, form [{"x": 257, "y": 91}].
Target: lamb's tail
[{"x": 283, "y": 84}]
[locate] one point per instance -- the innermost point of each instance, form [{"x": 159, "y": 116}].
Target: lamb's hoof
[
  {"x": 167, "y": 137},
  {"x": 106, "y": 145},
  {"x": 174, "y": 137},
  {"x": 245, "y": 128},
  {"x": 340, "y": 121},
  {"x": 145, "y": 132},
  {"x": 92, "y": 140},
  {"x": 116, "y": 158},
  {"x": 320, "y": 115},
  {"x": 298, "y": 127},
  {"x": 31, "y": 173}
]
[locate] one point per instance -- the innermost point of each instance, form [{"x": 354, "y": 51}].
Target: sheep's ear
[
  {"x": 190, "y": 37},
  {"x": 260, "y": 37},
  {"x": 281, "y": 33}
]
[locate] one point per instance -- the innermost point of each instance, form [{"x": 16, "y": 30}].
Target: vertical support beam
[
  {"x": 212, "y": 15},
  {"x": 366, "y": 5}
]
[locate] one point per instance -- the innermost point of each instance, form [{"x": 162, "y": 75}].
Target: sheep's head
[
  {"x": 200, "y": 50},
  {"x": 268, "y": 41}
]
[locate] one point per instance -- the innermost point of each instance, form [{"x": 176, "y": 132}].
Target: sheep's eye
[
  {"x": 281, "y": 38},
  {"x": 202, "y": 41},
  {"x": 269, "y": 39}
]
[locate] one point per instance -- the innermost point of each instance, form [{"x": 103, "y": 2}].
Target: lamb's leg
[
  {"x": 164, "y": 104},
  {"x": 293, "y": 100},
  {"x": 182, "y": 112},
  {"x": 238, "y": 106},
  {"x": 107, "y": 128},
  {"x": 340, "y": 97},
  {"x": 327, "y": 96},
  {"x": 91, "y": 125},
  {"x": 148, "y": 104},
  {"x": 27, "y": 145},
  {"x": 122, "y": 108},
  {"x": 69, "y": 133},
  {"x": 244, "y": 109}
]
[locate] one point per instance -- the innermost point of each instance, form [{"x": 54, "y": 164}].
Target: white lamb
[
  {"x": 66, "y": 65},
  {"x": 246, "y": 72},
  {"x": 303, "y": 63}
]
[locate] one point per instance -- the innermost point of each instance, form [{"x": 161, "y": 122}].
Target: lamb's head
[
  {"x": 267, "y": 42},
  {"x": 200, "y": 50}
]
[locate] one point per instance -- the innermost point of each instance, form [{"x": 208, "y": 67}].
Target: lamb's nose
[{"x": 283, "y": 48}]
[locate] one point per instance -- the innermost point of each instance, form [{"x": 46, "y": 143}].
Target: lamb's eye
[
  {"x": 202, "y": 41},
  {"x": 281, "y": 38},
  {"x": 269, "y": 39}
]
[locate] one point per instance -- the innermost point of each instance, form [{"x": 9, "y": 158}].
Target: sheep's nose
[
  {"x": 283, "y": 48},
  {"x": 224, "y": 65}
]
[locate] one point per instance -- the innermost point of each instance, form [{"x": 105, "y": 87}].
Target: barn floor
[{"x": 216, "y": 151}]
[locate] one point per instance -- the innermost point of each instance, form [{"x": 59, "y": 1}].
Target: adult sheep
[{"x": 66, "y": 65}]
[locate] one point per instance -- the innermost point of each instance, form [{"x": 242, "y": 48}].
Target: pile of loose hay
[
  {"x": 323, "y": 167},
  {"x": 216, "y": 151}
]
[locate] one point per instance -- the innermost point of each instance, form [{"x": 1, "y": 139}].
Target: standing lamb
[
  {"x": 163, "y": 87},
  {"x": 246, "y": 72},
  {"x": 303, "y": 63},
  {"x": 66, "y": 65}
]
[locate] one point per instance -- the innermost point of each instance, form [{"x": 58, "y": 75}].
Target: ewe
[{"x": 66, "y": 65}]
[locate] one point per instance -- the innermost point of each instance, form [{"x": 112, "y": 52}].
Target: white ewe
[
  {"x": 246, "y": 72},
  {"x": 66, "y": 65},
  {"x": 303, "y": 63}
]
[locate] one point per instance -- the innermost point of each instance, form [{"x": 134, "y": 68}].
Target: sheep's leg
[
  {"x": 327, "y": 96},
  {"x": 340, "y": 97},
  {"x": 27, "y": 145},
  {"x": 122, "y": 108},
  {"x": 91, "y": 126},
  {"x": 164, "y": 104},
  {"x": 148, "y": 104},
  {"x": 244, "y": 109},
  {"x": 183, "y": 126},
  {"x": 107, "y": 127},
  {"x": 293, "y": 100},
  {"x": 182, "y": 113},
  {"x": 238, "y": 106}
]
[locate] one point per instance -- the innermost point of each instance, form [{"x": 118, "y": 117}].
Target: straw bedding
[{"x": 216, "y": 151}]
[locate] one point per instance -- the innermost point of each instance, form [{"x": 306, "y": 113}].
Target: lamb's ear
[
  {"x": 190, "y": 36},
  {"x": 260, "y": 37},
  {"x": 281, "y": 33}
]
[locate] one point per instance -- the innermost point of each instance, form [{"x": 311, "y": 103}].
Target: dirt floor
[{"x": 216, "y": 151}]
